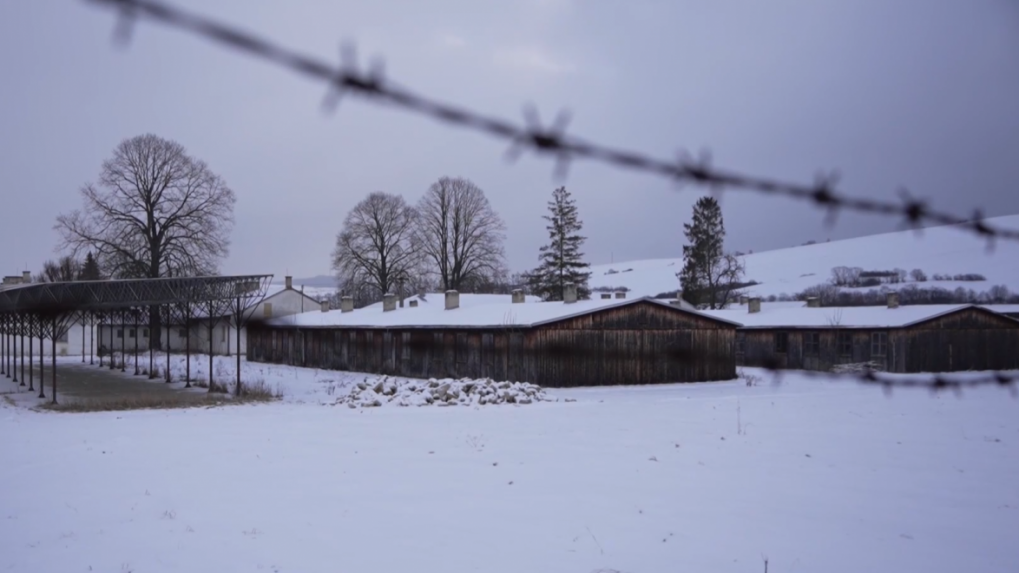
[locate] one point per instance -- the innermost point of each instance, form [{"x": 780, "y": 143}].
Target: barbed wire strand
[{"x": 553, "y": 140}]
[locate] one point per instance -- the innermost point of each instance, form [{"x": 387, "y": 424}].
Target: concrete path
[{"x": 76, "y": 381}]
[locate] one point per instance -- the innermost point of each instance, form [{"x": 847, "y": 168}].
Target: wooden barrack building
[{"x": 606, "y": 341}]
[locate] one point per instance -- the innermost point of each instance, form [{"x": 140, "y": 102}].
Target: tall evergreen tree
[
  {"x": 561, "y": 260},
  {"x": 90, "y": 269},
  {"x": 706, "y": 236}
]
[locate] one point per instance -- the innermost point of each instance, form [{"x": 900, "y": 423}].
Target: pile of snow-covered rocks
[{"x": 387, "y": 390}]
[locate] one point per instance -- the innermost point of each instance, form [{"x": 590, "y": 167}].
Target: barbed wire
[
  {"x": 552, "y": 140},
  {"x": 934, "y": 382}
]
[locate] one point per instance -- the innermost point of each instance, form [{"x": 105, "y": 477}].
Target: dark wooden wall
[
  {"x": 971, "y": 339},
  {"x": 642, "y": 343},
  {"x": 759, "y": 349}
]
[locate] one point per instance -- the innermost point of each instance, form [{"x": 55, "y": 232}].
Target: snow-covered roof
[
  {"x": 475, "y": 315},
  {"x": 1011, "y": 308},
  {"x": 467, "y": 300},
  {"x": 841, "y": 317}
]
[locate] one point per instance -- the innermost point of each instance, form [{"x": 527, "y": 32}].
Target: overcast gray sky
[{"x": 916, "y": 93}]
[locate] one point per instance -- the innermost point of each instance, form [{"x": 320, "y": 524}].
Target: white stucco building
[{"x": 279, "y": 301}]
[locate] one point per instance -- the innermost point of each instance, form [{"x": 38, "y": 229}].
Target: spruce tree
[
  {"x": 90, "y": 270},
  {"x": 561, "y": 260},
  {"x": 706, "y": 235}
]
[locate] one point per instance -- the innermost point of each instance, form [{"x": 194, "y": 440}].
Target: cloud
[
  {"x": 452, "y": 41},
  {"x": 532, "y": 58}
]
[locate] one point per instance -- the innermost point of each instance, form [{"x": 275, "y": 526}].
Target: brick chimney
[
  {"x": 325, "y": 306},
  {"x": 289, "y": 281},
  {"x": 813, "y": 302},
  {"x": 893, "y": 300},
  {"x": 518, "y": 296},
  {"x": 346, "y": 303},
  {"x": 755, "y": 304},
  {"x": 388, "y": 302},
  {"x": 452, "y": 299},
  {"x": 569, "y": 293}
]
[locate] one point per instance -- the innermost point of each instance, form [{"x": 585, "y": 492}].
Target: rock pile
[{"x": 387, "y": 390}]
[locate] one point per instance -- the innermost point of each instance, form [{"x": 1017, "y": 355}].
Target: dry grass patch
[
  {"x": 260, "y": 391},
  {"x": 256, "y": 392}
]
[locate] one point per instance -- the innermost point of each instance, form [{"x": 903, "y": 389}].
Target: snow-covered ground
[
  {"x": 937, "y": 250},
  {"x": 815, "y": 476}
]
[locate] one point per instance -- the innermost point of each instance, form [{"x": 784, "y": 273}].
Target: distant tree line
[
  {"x": 830, "y": 295},
  {"x": 856, "y": 277}
]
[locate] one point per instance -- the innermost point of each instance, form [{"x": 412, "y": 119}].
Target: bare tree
[
  {"x": 846, "y": 276},
  {"x": 722, "y": 280},
  {"x": 154, "y": 211},
  {"x": 376, "y": 248},
  {"x": 65, "y": 269},
  {"x": 460, "y": 234}
]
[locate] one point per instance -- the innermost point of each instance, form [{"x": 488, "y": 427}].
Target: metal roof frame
[{"x": 105, "y": 295}]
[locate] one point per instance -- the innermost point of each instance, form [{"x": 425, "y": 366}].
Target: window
[
  {"x": 223, "y": 337},
  {"x": 781, "y": 342},
  {"x": 120, "y": 333},
  {"x": 845, "y": 344},
  {"x": 132, "y": 333},
  {"x": 812, "y": 343},
  {"x": 878, "y": 343},
  {"x": 741, "y": 343},
  {"x": 183, "y": 333},
  {"x": 145, "y": 333}
]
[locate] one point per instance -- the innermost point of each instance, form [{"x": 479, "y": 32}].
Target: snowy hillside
[{"x": 938, "y": 250}]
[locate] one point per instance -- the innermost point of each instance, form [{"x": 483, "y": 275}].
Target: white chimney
[
  {"x": 289, "y": 282},
  {"x": 325, "y": 306},
  {"x": 346, "y": 303},
  {"x": 569, "y": 293},
  {"x": 26, "y": 276},
  {"x": 620, "y": 294},
  {"x": 388, "y": 302},
  {"x": 893, "y": 300},
  {"x": 813, "y": 302},
  {"x": 518, "y": 296},
  {"x": 452, "y": 299},
  {"x": 755, "y": 304}
]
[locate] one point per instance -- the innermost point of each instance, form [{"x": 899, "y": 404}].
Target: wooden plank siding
[
  {"x": 631, "y": 344},
  {"x": 969, "y": 339}
]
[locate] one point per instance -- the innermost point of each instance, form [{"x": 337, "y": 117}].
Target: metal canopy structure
[
  {"x": 77, "y": 296},
  {"x": 48, "y": 310}
]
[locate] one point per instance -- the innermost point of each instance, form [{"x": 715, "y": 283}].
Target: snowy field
[
  {"x": 938, "y": 250},
  {"x": 815, "y": 476}
]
